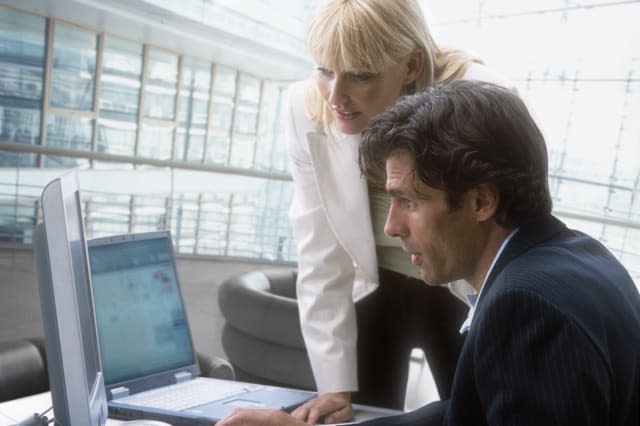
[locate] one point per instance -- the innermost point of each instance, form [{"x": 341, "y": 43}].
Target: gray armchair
[
  {"x": 23, "y": 368},
  {"x": 215, "y": 367},
  {"x": 261, "y": 336}
]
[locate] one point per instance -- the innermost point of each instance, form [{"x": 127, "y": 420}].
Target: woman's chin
[{"x": 350, "y": 128}]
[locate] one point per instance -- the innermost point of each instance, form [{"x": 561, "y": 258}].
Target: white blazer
[{"x": 331, "y": 222}]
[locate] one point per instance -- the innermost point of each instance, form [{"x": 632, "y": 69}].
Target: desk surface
[{"x": 11, "y": 412}]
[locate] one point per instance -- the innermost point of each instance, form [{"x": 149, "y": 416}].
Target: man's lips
[
  {"x": 416, "y": 256},
  {"x": 346, "y": 115}
]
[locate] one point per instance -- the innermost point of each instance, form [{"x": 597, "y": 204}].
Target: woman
[
  {"x": 362, "y": 304},
  {"x": 360, "y": 313}
]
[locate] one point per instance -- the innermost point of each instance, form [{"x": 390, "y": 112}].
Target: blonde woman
[{"x": 363, "y": 306}]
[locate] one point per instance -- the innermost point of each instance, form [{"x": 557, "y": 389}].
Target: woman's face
[{"x": 356, "y": 97}]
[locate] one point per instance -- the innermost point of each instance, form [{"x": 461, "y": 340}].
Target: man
[{"x": 553, "y": 335}]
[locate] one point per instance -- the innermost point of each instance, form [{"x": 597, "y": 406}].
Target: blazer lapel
[{"x": 344, "y": 195}]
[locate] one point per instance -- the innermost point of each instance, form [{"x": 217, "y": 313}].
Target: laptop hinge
[
  {"x": 119, "y": 392},
  {"x": 182, "y": 376}
]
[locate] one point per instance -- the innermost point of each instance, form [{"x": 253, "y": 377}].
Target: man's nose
[{"x": 394, "y": 227}]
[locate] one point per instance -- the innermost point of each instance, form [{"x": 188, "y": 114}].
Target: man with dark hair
[{"x": 553, "y": 333}]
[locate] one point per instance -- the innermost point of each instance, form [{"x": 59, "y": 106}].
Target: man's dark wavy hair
[{"x": 462, "y": 134}]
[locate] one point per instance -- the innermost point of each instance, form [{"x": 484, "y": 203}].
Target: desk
[{"x": 12, "y": 412}]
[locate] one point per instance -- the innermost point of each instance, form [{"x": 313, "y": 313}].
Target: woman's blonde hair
[{"x": 371, "y": 36}]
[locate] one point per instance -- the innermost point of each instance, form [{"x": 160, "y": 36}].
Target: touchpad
[{"x": 244, "y": 403}]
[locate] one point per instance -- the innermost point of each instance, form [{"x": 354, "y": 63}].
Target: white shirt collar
[{"x": 473, "y": 298}]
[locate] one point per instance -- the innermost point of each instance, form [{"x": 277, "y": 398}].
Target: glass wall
[
  {"x": 119, "y": 98},
  {"x": 577, "y": 65},
  {"x": 22, "y": 53},
  {"x": 73, "y": 97},
  {"x": 113, "y": 107}
]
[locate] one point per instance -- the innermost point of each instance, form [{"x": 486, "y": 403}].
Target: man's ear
[
  {"x": 486, "y": 201},
  {"x": 414, "y": 66}
]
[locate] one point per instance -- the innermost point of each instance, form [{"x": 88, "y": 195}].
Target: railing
[{"x": 228, "y": 225}]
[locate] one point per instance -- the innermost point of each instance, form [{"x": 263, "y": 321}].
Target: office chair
[
  {"x": 23, "y": 368},
  {"x": 261, "y": 336}
]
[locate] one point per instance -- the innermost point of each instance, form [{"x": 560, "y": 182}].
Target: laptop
[{"x": 148, "y": 360}]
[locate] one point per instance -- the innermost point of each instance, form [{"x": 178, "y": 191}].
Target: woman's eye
[
  {"x": 324, "y": 72},
  {"x": 363, "y": 76}
]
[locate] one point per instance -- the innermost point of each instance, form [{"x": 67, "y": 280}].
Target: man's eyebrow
[{"x": 395, "y": 192}]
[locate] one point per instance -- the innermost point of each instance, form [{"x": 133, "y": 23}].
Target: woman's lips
[
  {"x": 346, "y": 115},
  {"x": 416, "y": 259}
]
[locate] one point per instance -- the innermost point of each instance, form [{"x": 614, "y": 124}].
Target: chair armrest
[
  {"x": 215, "y": 367},
  {"x": 23, "y": 368},
  {"x": 247, "y": 303}
]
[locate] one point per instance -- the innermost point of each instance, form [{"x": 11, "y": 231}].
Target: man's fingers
[
  {"x": 326, "y": 407},
  {"x": 301, "y": 413},
  {"x": 231, "y": 418},
  {"x": 345, "y": 414},
  {"x": 315, "y": 413},
  {"x": 322, "y": 406}
]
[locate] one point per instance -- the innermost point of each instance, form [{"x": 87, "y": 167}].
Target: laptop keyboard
[{"x": 185, "y": 395}]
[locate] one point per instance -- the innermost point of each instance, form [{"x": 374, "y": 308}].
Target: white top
[{"x": 331, "y": 221}]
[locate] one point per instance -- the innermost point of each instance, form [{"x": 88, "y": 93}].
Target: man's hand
[
  {"x": 329, "y": 408},
  {"x": 259, "y": 417}
]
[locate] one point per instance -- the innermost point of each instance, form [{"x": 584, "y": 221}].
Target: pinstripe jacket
[{"x": 555, "y": 340}]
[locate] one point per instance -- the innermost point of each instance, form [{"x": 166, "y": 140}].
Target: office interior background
[{"x": 171, "y": 112}]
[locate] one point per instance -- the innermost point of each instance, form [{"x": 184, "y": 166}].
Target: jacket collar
[{"x": 527, "y": 236}]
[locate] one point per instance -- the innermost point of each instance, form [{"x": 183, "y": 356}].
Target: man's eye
[{"x": 406, "y": 203}]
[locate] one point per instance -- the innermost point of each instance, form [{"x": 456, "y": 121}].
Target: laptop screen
[{"x": 142, "y": 326}]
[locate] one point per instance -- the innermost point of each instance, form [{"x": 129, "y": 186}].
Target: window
[
  {"x": 22, "y": 53},
  {"x": 115, "y": 104},
  {"x": 222, "y": 107},
  {"x": 583, "y": 88},
  {"x": 194, "y": 110},
  {"x": 119, "y": 96}
]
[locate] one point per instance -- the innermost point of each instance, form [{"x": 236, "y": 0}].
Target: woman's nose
[{"x": 338, "y": 94}]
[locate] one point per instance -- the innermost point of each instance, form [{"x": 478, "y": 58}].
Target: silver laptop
[{"x": 148, "y": 359}]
